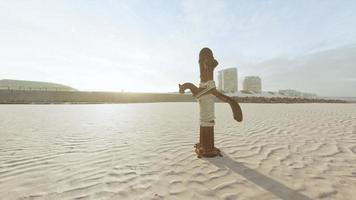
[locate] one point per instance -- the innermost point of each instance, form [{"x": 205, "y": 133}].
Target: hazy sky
[{"x": 151, "y": 46}]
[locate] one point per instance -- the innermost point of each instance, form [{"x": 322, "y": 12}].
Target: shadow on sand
[{"x": 267, "y": 183}]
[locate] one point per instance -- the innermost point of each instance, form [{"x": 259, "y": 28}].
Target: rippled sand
[{"x": 145, "y": 151}]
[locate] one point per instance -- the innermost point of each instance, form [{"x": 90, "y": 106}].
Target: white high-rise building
[
  {"x": 227, "y": 80},
  {"x": 252, "y": 83}
]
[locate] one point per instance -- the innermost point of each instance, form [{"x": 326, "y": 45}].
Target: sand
[{"x": 145, "y": 151}]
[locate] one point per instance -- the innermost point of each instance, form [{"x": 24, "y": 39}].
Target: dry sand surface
[{"x": 145, "y": 151}]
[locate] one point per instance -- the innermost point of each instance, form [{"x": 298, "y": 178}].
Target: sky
[{"x": 151, "y": 46}]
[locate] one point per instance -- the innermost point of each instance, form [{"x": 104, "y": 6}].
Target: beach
[{"x": 145, "y": 151}]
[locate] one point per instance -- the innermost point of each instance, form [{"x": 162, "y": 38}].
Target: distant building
[
  {"x": 309, "y": 95},
  {"x": 252, "y": 83},
  {"x": 295, "y": 93},
  {"x": 290, "y": 93},
  {"x": 7, "y": 84},
  {"x": 227, "y": 80}
]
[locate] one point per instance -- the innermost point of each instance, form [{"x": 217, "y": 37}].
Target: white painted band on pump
[{"x": 206, "y": 104}]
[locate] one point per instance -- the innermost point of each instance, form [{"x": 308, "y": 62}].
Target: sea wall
[
  {"x": 25, "y": 97},
  {"x": 59, "y": 97},
  {"x": 285, "y": 100}
]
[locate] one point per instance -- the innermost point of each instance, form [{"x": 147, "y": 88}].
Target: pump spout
[{"x": 189, "y": 86}]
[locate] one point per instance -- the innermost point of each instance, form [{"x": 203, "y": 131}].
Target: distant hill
[{"x": 7, "y": 84}]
